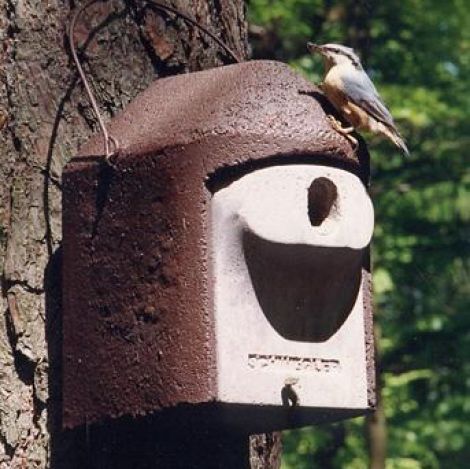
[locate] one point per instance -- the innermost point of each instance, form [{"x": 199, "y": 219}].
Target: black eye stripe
[
  {"x": 339, "y": 51},
  {"x": 346, "y": 53}
]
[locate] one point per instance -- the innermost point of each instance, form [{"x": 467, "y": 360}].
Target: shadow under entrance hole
[{"x": 305, "y": 292}]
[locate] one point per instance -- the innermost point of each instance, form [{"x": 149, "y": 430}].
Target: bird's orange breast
[{"x": 334, "y": 90}]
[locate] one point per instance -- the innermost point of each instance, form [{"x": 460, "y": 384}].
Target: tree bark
[
  {"x": 376, "y": 423},
  {"x": 377, "y": 437},
  {"x": 45, "y": 116}
]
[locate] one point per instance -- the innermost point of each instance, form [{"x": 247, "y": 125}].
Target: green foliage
[{"x": 418, "y": 54}]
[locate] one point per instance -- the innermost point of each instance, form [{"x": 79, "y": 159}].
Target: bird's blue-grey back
[{"x": 362, "y": 92}]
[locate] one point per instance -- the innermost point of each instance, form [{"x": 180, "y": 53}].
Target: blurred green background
[{"x": 418, "y": 54}]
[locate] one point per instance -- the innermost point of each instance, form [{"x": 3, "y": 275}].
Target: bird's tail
[
  {"x": 396, "y": 138},
  {"x": 400, "y": 143}
]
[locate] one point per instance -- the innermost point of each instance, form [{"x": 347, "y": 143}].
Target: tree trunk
[
  {"x": 376, "y": 423},
  {"x": 45, "y": 116},
  {"x": 377, "y": 437}
]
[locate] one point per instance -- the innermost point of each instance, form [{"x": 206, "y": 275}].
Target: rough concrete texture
[
  {"x": 235, "y": 114},
  {"x": 139, "y": 331},
  {"x": 288, "y": 302}
]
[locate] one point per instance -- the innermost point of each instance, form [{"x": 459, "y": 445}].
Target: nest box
[{"x": 222, "y": 264}]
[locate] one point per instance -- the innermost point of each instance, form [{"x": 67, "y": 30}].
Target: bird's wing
[{"x": 362, "y": 92}]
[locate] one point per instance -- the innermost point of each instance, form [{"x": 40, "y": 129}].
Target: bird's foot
[{"x": 345, "y": 131}]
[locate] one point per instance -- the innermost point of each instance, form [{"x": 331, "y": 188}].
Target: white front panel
[{"x": 288, "y": 299}]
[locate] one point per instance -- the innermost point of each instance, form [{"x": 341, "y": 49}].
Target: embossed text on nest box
[{"x": 272, "y": 362}]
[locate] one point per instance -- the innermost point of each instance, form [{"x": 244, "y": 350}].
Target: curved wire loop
[
  {"x": 106, "y": 138},
  {"x": 110, "y": 143},
  {"x": 188, "y": 19}
]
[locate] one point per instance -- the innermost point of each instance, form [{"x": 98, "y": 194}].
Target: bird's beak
[{"x": 314, "y": 48}]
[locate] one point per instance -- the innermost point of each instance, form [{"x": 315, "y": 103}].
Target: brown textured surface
[
  {"x": 233, "y": 114},
  {"x": 138, "y": 328},
  {"x": 369, "y": 336}
]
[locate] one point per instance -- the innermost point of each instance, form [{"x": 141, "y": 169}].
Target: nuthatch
[{"x": 353, "y": 94}]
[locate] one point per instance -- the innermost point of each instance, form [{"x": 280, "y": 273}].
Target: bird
[{"x": 350, "y": 90}]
